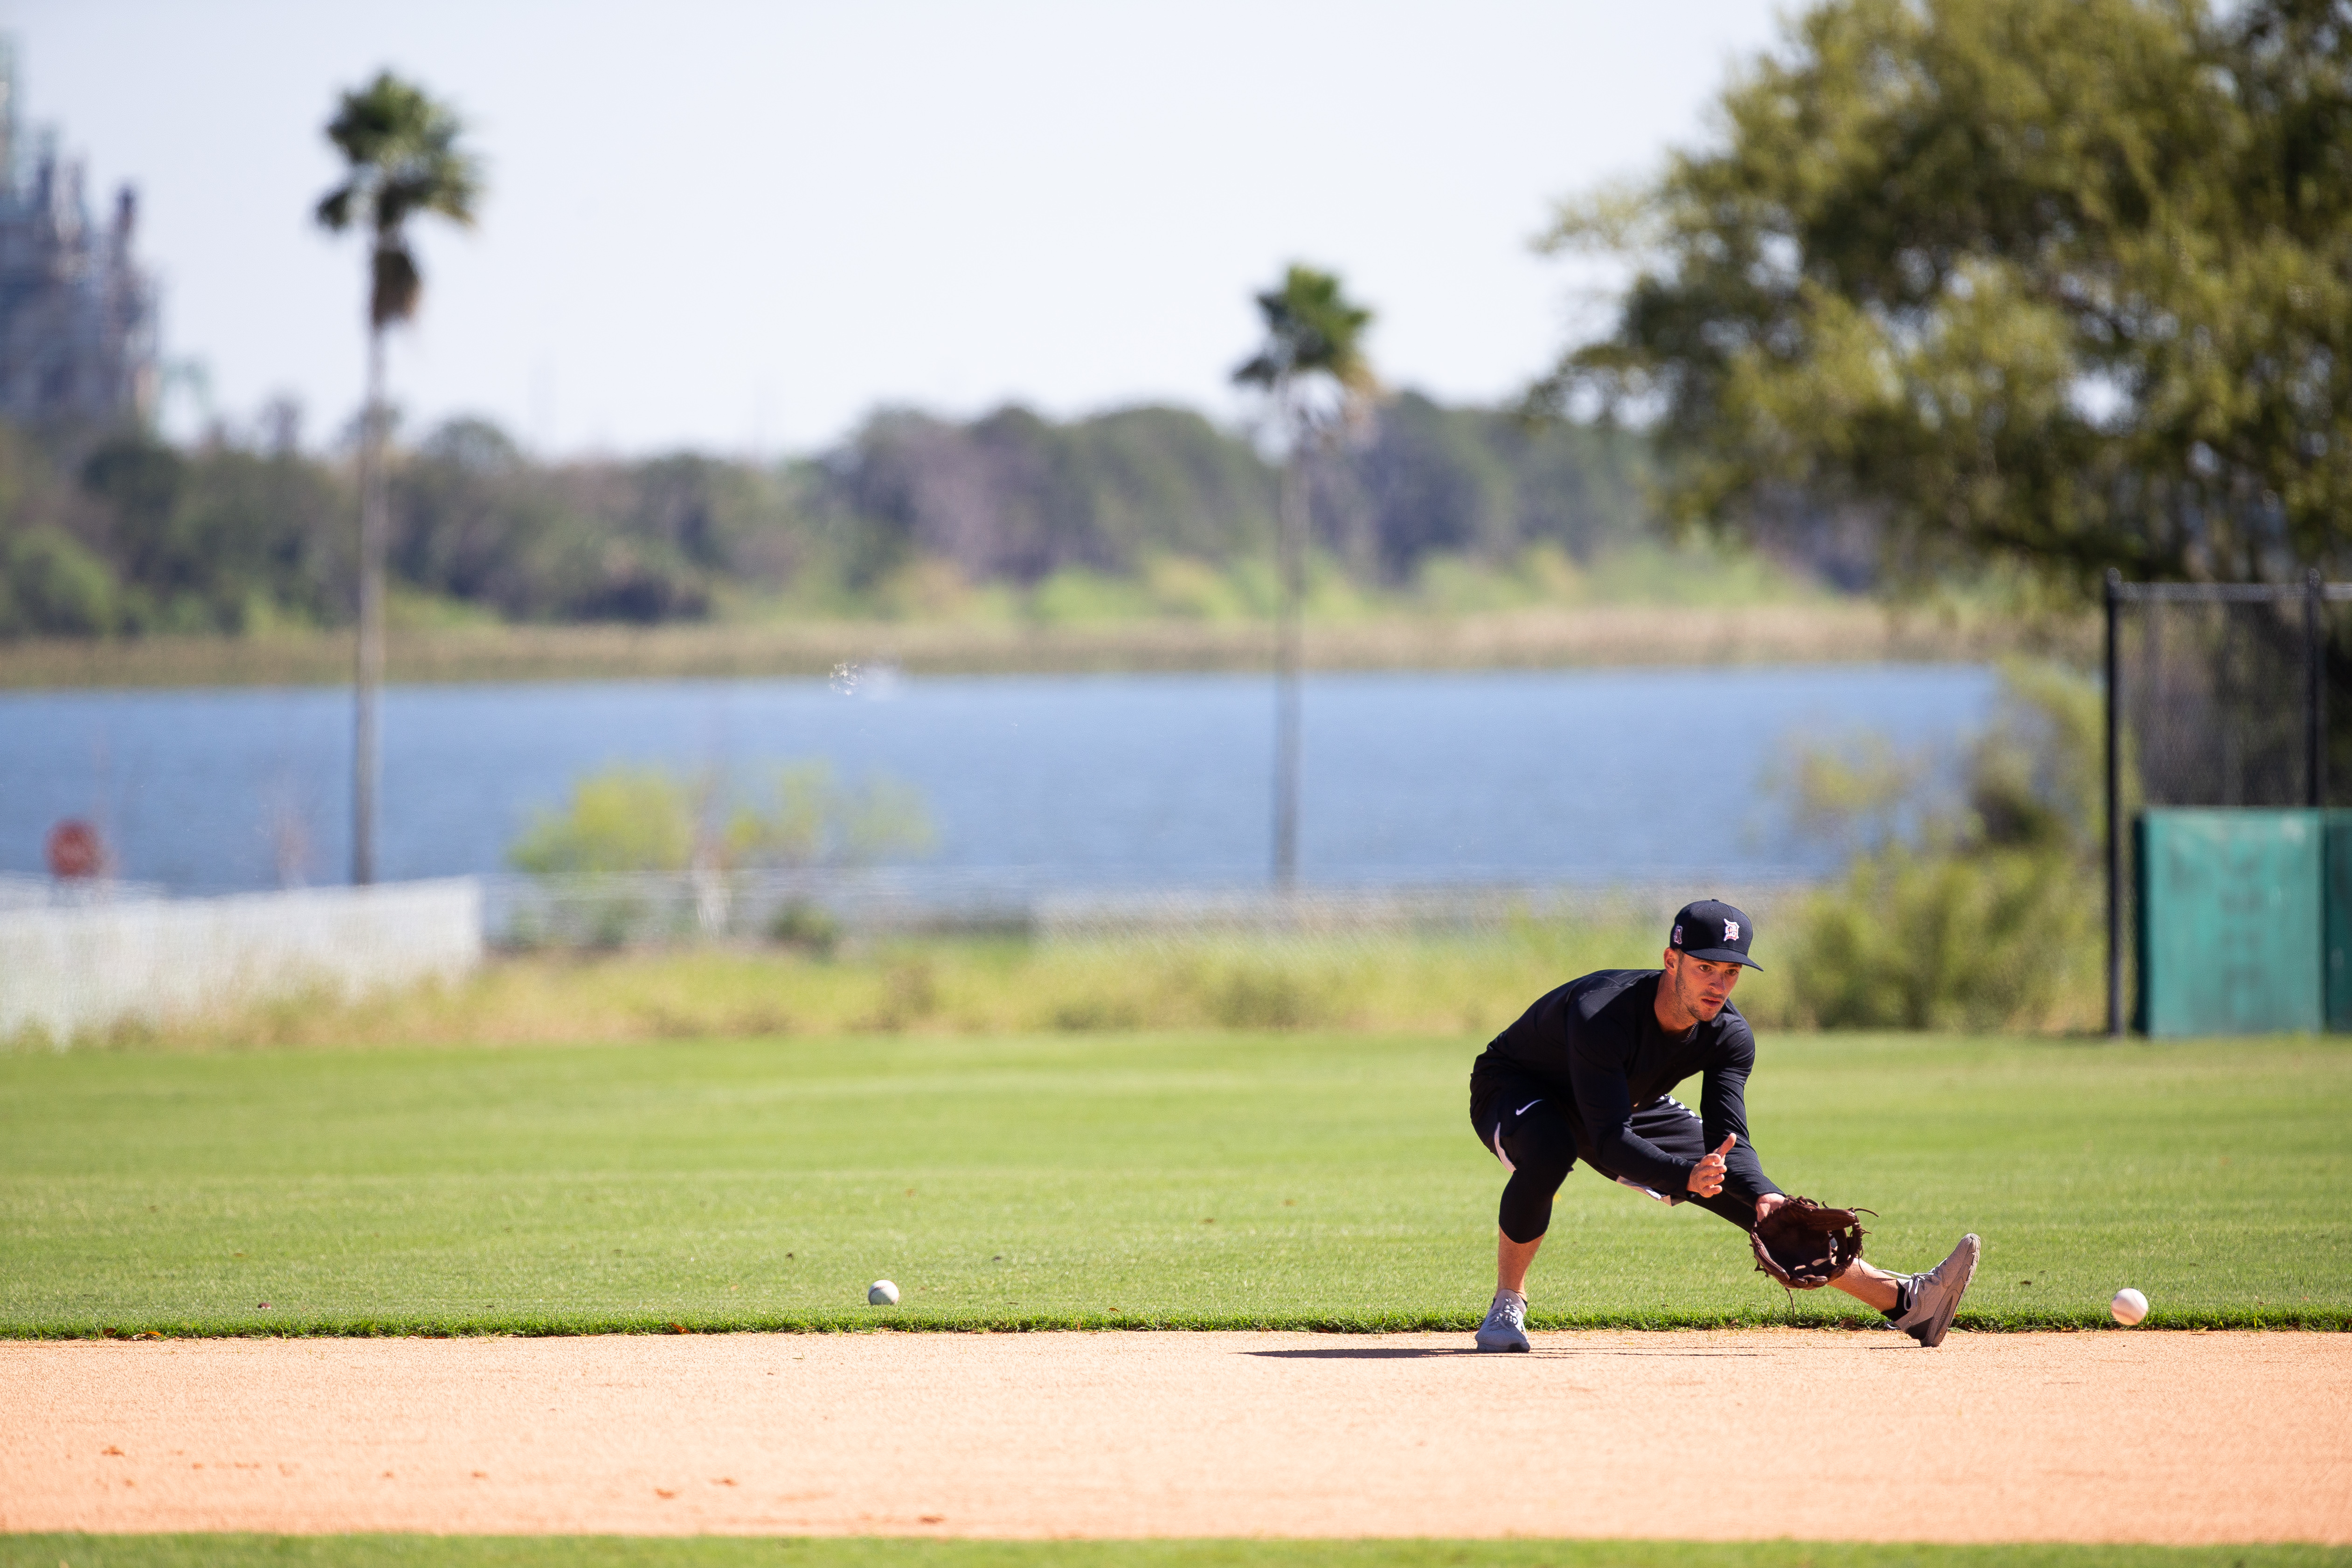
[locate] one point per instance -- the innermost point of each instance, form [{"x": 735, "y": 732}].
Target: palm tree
[
  {"x": 1313, "y": 348},
  {"x": 402, "y": 155}
]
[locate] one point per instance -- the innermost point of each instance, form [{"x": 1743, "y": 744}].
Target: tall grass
[
  {"x": 1527, "y": 637},
  {"x": 1469, "y": 984}
]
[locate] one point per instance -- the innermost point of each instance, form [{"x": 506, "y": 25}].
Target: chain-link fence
[
  {"x": 2219, "y": 695},
  {"x": 818, "y": 907}
]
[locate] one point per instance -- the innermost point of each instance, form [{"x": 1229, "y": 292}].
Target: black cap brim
[{"x": 1723, "y": 956}]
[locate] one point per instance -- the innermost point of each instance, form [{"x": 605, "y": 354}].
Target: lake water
[{"x": 1130, "y": 782}]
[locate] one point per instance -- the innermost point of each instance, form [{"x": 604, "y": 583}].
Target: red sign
[{"x": 74, "y": 850}]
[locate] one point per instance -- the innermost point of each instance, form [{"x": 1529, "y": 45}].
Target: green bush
[
  {"x": 623, "y": 819},
  {"x": 1978, "y": 913},
  {"x": 54, "y": 586},
  {"x": 805, "y": 925},
  {"x": 1913, "y": 940},
  {"x": 627, "y": 819},
  {"x": 812, "y": 818}
]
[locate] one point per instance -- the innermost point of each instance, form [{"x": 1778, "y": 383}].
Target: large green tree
[
  {"x": 1311, "y": 364},
  {"x": 2061, "y": 285},
  {"x": 402, "y": 158}
]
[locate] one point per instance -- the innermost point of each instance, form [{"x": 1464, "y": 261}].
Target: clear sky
[{"x": 741, "y": 226}]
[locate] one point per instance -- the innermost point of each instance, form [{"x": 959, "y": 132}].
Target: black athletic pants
[{"x": 1525, "y": 1124}]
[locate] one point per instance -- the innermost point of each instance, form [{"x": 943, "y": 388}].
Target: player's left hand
[
  {"x": 1767, "y": 1202},
  {"x": 1707, "y": 1177}
]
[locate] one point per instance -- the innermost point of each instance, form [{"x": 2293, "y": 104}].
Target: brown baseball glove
[{"x": 1805, "y": 1245}]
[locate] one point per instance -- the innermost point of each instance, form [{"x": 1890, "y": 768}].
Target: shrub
[
  {"x": 799, "y": 924},
  {"x": 812, "y": 818},
  {"x": 624, "y": 818},
  {"x": 1913, "y": 940},
  {"x": 650, "y": 819},
  {"x": 1975, "y": 911},
  {"x": 54, "y": 586}
]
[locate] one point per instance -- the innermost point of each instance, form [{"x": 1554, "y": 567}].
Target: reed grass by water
[
  {"x": 1540, "y": 637},
  {"x": 1470, "y": 983}
]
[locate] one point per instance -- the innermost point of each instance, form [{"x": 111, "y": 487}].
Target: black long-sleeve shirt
[{"x": 1597, "y": 1041}]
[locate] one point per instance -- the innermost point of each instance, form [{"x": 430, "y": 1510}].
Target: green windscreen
[
  {"x": 2338, "y": 954},
  {"x": 2231, "y": 936}
]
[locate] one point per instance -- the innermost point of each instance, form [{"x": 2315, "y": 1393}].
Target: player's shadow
[
  {"x": 1581, "y": 1353},
  {"x": 1365, "y": 1352}
]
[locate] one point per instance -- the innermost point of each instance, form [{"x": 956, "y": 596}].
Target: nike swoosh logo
[{"x": 1529, "y": 1106}]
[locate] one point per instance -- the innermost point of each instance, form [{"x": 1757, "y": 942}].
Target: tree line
[
  {"x": 238, "y": 533},
  {"x": 1956, "y": 286}
]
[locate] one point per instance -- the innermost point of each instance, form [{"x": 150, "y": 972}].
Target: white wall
[{"x": 70, "y": 970}]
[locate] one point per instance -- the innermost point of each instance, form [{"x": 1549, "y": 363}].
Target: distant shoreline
[{"x": 1835, "y": 632}]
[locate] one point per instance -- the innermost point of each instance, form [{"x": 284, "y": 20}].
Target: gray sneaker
[
  {"x": 1935, "y": 1294},
  {"x": 1506, "y": 1327}
]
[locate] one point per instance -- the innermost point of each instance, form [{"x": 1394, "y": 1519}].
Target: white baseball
[
  {"x": 883, "y": 1294},
  {"x": 2130, "y": 1306}
]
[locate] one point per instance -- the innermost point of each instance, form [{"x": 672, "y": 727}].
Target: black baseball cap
[{"x": 1715, "y": 931}]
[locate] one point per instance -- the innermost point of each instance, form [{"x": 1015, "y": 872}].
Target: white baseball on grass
[
  {"x": 2130, "y": 1306},
  {"x": 883, "y": 1294}
]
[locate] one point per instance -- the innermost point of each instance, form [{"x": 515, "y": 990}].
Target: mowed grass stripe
[
  {"x": 1209, "y": 1180},
  {"x": 741, "y": 1552}
]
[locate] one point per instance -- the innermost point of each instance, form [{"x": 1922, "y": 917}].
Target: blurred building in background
[{"x": 78, "y": 340}]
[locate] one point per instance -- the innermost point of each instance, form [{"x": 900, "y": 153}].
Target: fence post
[
  {"x": 2315, "y": 695},
  {"x": 2114, "y": 809}
]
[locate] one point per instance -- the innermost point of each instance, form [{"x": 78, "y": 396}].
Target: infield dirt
[{"x": 2158, "y": 1438}]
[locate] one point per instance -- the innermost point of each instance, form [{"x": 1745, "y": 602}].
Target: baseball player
[{"x": 1587, "y": 1073}]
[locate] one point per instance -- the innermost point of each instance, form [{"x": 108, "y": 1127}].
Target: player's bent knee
[{"x": 1525, "y": 1212}]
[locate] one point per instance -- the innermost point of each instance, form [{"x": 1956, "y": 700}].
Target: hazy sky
[{"x": 741, "y": 227}]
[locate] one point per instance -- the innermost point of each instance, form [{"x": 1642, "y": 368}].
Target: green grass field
[
  {"x": 716, "y": 1551},
  {"x": 1212, "y": 1179}
]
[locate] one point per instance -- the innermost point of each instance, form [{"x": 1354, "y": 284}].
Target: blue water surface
[{"x": 1108, "y": 780}]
